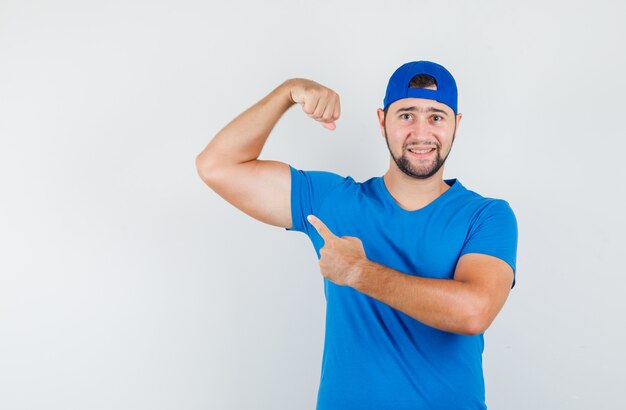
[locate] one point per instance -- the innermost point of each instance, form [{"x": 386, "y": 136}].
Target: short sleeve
[
  {"x": 309, "y": 189},
  {"x": 494, "y": 233}
]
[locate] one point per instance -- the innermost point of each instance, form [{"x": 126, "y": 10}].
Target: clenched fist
[{"x": 318, "y": 102}]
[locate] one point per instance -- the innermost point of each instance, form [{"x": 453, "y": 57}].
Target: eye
[
  {"x": 405, "y": 116},
  {"x": 437, "y": 118}
]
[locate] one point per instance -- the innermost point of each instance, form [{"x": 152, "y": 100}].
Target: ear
[
  {"x": 381, "y": 120},
  {"x": 458, "y": 119}
]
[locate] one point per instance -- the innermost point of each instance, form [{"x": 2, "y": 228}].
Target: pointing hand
[{"x": 340, "y": 258}]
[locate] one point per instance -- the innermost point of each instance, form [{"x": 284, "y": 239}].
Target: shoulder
[{"x": 482, "y": 203}]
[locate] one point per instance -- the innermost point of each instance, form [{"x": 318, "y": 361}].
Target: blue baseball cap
[{"x": 398, "y": 87}]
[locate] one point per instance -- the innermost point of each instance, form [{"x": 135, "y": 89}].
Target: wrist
[
  {"x": 359, "y": 277},
  {"x": 287, "y": 89}
]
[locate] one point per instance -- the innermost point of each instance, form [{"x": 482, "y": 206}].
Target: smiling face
[{"x": 419, "y": 134}]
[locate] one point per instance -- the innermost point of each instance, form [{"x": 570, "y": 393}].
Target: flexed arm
[{"x": 229, "y": 164}]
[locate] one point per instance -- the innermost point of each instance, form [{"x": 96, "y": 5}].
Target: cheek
[{"x": 446, "y": 132}]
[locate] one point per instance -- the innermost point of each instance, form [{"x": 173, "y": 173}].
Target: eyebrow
[{"x": 418, "y": 109}]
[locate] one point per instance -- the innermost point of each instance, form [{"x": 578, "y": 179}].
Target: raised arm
[{"x": 229, "y": 164}]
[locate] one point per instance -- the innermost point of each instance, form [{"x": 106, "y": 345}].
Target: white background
[{"x": 126, "y": 283}]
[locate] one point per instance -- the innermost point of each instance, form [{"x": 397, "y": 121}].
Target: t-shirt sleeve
[
  {"x": 309, "y": 189},
  {"x": 494, "y": 233}
]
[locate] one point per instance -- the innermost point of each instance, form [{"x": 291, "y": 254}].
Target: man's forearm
[
  {"x": 244, "y": 137},
  {"x": 445, "y": 304}
]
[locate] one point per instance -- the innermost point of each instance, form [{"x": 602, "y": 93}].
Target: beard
[{"x": 423, "y": 171}]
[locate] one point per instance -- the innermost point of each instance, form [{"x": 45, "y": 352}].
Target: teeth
[{"x": 423, "y": 151}]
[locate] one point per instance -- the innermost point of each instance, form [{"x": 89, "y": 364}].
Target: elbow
[
  {"x": 201, "y": 162},
  {"x": 477, "y": 321},
  {"x": 476, "y": 326},
  {"x": 205, "y": 168}
]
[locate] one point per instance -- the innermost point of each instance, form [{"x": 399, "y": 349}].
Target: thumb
[{"x": 329, "y": 125}]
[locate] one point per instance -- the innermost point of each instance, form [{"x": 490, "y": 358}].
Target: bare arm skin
[
  {"x": 466, "y": 304},
  {"x": 230, "y": 166}
]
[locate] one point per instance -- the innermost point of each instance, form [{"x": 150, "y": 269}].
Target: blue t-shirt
[{"x": 375, "y": 356}]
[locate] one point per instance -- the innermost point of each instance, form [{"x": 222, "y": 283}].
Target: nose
[{"x": 421, "y": 128}]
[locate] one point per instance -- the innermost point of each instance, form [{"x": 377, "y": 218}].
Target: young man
[{"x": 415, "y": 267}]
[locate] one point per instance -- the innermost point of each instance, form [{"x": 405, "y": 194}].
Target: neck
[{"x": 412, "y": 193}]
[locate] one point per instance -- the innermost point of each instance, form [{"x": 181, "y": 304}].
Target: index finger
[{"x": 320, "y": 227}]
